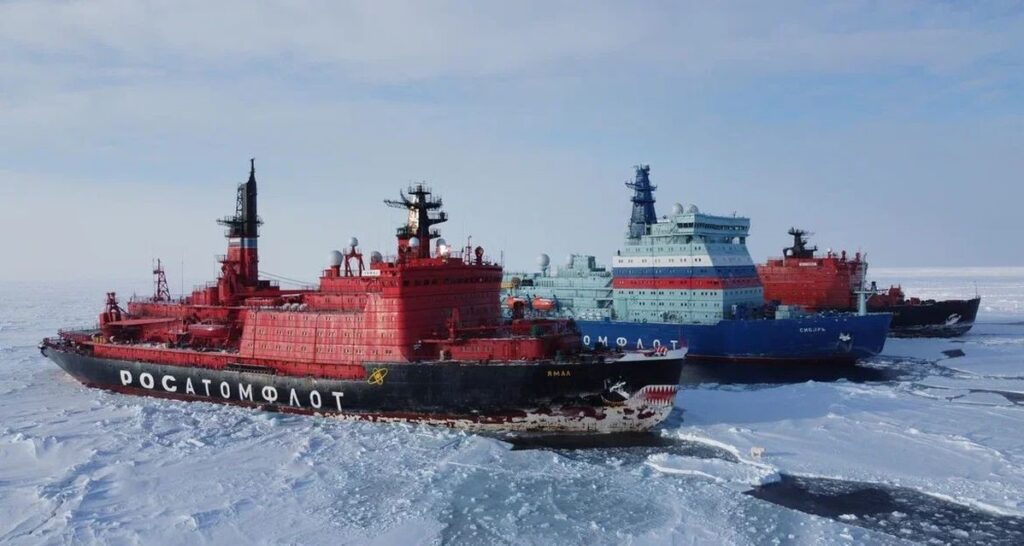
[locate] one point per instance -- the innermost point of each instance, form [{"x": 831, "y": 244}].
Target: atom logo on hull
[{"x": 377, "y": 376}]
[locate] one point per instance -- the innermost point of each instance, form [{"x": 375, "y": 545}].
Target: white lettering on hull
[
  {"x": 246, "y": 392},
  {"x": 623, "y": 342}
]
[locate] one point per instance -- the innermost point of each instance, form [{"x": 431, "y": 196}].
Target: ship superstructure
[
  {"x": 580, "y": 285},
  {"x": 417, "y": 336},
  {"x": 688, "y": 267},
  {"x": 801, "y": 277},
  {"x": 835, "y": 281},
  {"x": 687, "y": 278}
]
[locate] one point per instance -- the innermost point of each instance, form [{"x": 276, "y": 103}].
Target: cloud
[
  {"x": 414, "y": 41},
  {"x": 530, "y": 114}
]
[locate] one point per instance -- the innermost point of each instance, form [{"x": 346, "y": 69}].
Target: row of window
[
  {"x": 684, "y": 304},
  {"x": 695, "y": 292},
  {"x": 280, "y": 348},
  {"x": 449, "y": 280}
]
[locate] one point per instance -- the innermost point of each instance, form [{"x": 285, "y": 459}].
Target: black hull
[
  {"x": 530, "y": 397},
  {"x": 948, "y": 318}
]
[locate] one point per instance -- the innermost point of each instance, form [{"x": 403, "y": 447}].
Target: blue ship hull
[{"x": 839, "y": 338}]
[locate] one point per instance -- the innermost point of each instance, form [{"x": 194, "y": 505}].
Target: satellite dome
[
  {"x": 376, "y": 257},
  {"x": 414, "y": 242},
  {"x": 441, "y": 242},
  {"x": 677, "y": 209},
  {"x": 334, "y": 258},
  {"x": 568, "y": 260},
  {"x": 692, "y": 209},
  {"x": 353, "y": 242},
  {"x": 543, "y": 260},
  {"x": 442, "y": 247}
]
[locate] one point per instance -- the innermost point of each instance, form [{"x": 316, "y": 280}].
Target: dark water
[
  {"x": 900, "y": 512},
  {"x": 628, "y": 448}
]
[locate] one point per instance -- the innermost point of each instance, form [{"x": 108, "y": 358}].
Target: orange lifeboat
[
  {"x": 512, "y": 301},
  {"x": 543, "y": 304}
]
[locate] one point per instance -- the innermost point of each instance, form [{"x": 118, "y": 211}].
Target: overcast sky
[{"x": 892, "y": 127}]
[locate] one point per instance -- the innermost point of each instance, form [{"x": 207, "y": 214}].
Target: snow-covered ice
[{"x": 79, "y": 465}]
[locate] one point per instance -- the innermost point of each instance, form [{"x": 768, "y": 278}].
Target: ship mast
[
  {"x": 424, "y": 212},
  {"x": 161, "y": 292},
  {"x": 243, "y": 230},
  {"x": 799, "y": 248},
  {"x": 643, "y": 202}
]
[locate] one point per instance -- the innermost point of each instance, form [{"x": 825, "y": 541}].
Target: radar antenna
[
  {"x": 424, "y": 212},
  {"x": 799, "y": 248}
]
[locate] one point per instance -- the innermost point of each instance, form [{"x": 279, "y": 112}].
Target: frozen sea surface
[{"x": 922, "y": 444}]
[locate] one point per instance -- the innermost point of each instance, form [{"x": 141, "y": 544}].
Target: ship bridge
[{"x": 689, "y": 267}]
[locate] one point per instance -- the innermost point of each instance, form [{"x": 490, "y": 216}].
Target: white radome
[
  {"x": 353, "y": 242},
  {"x": 414, "y": 242},
  {"x": 376, "y": 257},
  {"x": 543, "y": 260},
  {"x": 677, "y": 209},
  {"x": 334, "y": 258}
]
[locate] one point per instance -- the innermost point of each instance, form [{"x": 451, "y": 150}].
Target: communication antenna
[{"x": 160, "y": 290}]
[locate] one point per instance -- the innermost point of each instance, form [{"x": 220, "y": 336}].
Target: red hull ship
[
  {"x": 416, "y": 337},
  {"x": 833, "y": 281}
]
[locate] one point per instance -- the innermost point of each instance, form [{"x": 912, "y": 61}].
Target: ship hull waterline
[
  {"x": 947, "y": 318},
  {"x": 840, "y": 339},
  {"x": 494, "y": 398}
]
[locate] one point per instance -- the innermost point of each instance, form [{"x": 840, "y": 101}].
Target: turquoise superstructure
[
  {"x": 581, "y": 287},
  {"x": 688, "y": 267}
]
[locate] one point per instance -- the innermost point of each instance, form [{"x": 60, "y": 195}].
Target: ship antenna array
[{"x": 161, "y": 292}]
